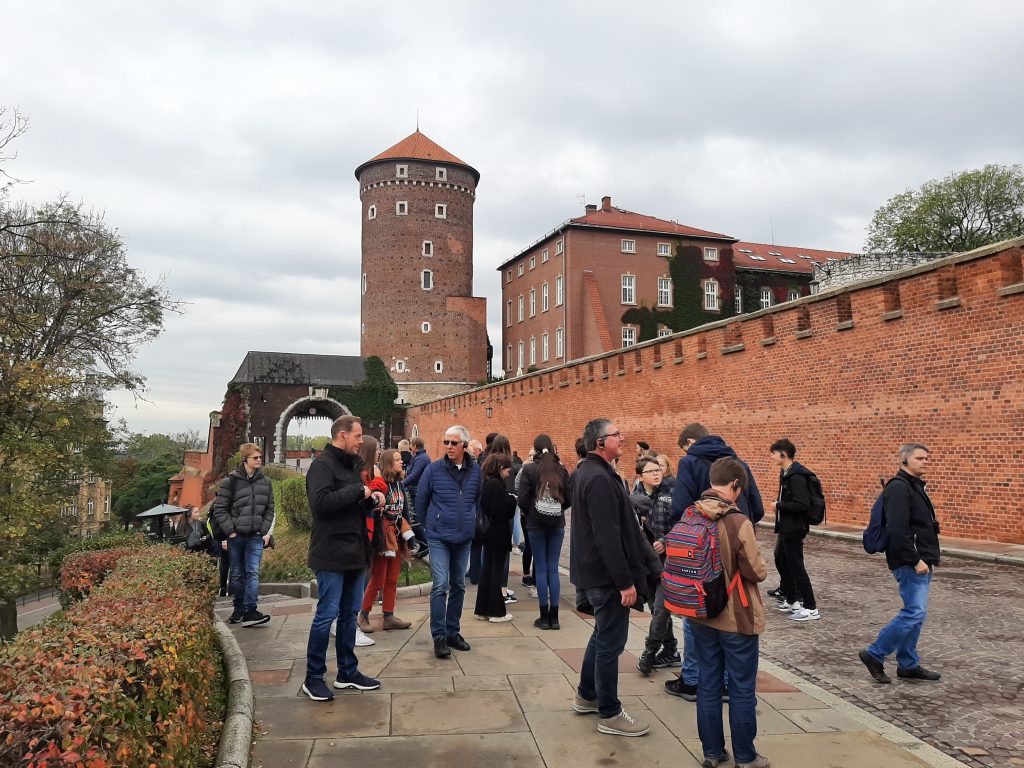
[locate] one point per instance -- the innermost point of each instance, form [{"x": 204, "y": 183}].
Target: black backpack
[{"x": 817, "y": 514}]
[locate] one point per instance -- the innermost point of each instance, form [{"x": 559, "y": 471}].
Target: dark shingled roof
[{"x": 290, "y": 368}]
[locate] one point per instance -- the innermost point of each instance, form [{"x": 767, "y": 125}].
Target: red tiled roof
[
  {"x": 617, "y": 218},
  {"x": 417, "y": 146},
  {"x": 781, "y": 258}
]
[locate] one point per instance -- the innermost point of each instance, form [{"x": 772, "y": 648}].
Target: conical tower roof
[{"x": 417, "y": 146}]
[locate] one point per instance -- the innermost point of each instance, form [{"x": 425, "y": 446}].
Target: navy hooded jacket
[
  {"x": 694, "y": 477},
  {"x": 447, "y": 500}
]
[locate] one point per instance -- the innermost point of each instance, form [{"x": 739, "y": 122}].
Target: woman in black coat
[{"x": 497, "y": 506}]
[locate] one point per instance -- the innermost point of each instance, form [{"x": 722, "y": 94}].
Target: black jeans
[
  {"x": 476, "y": 551},
  {"x": 599, "y": 677},
  {"x": 489, "y": 600},
  {"x": 796, "y": 584}
]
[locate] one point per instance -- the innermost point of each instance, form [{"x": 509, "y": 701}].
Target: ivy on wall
[
  {"x": 374, "y": 399},
  {"x": 234, "y": 415}
]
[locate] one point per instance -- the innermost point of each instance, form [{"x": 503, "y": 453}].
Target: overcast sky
[{"x": 220, "y": 139}]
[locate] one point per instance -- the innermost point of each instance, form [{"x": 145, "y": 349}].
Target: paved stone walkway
[{"x": 506, "y": 703}]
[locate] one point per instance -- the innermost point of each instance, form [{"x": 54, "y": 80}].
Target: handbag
[
  {"x": 483, "y": 524},
  {"x": 546, "y": 505}
]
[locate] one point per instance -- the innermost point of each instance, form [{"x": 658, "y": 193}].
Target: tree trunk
[{"x": 8, "y": 619}]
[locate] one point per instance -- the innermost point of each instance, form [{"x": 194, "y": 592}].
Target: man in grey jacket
[{"x": 244, "y": 511}]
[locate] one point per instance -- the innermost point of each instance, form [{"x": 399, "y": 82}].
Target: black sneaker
[
  {"x": 667, "y": 659},
  {"x": 646, "y": 663},
  {"x": 317, "y": 689},
  {"x": 678, "y": 688},
  {"x": 917, "y": 673},
  {"x": 235, "y": 617},
  {"x": 359, "y": 681},
  {"x": 725, "y": 694},
  {"x": 713, "y": 762},
  {"x": 875, "y": 667},
  {"x": 441, "y": 649},
  {"x": 528, "y": 581},
  {"x": 458, "y": 642},
  {"x": 254, "y": 619}
]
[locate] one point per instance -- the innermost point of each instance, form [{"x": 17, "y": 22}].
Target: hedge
[
  {"x": 128, "y": 677},
  {"x": 295, "y": 503},
  {"x": 84, "y": 571}
]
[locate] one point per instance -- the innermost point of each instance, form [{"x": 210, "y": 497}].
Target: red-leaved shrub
[{"x": 82, "y": 572}]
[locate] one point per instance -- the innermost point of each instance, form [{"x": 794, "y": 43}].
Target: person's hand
[
  {"x": 379, "y": 498},
  {"x": 628, "y": 596},
  {"x": 224, "y": 545},
  {"x": 921, "y": 568},
  {"x": 366, "y": 491},
  {"x": 659, "y": 546},
  {"x": 232, "y": 535},
  {"x": 266, "y": 540},
  {"x": 771, "y": 507}
]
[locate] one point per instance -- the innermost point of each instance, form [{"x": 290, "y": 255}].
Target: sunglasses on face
[{"x": 451, "y": 442}]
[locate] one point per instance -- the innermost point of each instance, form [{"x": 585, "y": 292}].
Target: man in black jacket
[
  {"x": 911, "y": 554},
  {"x": 339, "y": 553},
  {"x": 606, "y": 565},
  {"x": 792, "y": 510}
]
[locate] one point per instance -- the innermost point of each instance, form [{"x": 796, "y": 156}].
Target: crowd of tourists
[{"x": 679, "y": 544}]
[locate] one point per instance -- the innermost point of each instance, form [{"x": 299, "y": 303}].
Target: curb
[
  {"x": 236, "y": 737},
  {"x": 967, "y": 554}
]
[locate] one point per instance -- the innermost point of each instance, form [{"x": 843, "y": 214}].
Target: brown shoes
[
  {"x": 393, "y": 622},
  {"x": 363, "y": 622}
]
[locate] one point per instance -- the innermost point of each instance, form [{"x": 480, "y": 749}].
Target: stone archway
[{"x": 315, "y": 404}]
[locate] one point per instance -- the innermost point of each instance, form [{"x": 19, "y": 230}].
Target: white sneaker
[
  {"x": 500, "y": 619},
  {"x": 787, "y": 607},
  {"x": 805, "y": 614},
  {"x": 362, "y": 640},
  {"x": 531, "y": 591}
]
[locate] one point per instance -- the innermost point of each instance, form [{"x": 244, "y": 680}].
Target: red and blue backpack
[{"x": 693, "y": 579}]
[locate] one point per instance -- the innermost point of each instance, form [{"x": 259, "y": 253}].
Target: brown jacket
[{"x": 739, "y": 551}]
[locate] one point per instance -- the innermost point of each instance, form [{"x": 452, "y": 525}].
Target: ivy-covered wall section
[{"x": 374, "y": 400}]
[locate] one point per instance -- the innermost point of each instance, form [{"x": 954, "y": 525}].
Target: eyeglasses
[
  {"x": 256, "y": 458},
  {"x": 657, "y": 471},
  {"x": 612, "y": 434},
  {"x": 451, "y": 442}
]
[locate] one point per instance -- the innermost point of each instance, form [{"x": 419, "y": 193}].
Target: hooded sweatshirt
[
  {"x": 694, "y": 477},
  {"x": 739, "y": 552}
]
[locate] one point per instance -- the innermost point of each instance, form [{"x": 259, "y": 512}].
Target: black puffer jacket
[
  {"x": 249, "y": 508},
  {"x": 339, "y": 540},
  {"x": 910, "y": 522},
  {"x": 794, "y": 504}
]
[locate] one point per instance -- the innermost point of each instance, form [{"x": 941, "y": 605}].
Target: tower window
[
  {"x": 401, "y": 171},
  {"x": 428, "y": 248},
  {"x": 441, "y": 174},
  {"x": 426, "y": 327},
  {"x": 364, "y": 283},
  {"x": 400, "y": 366},
  {"x": 427, "y": 279},
  {"x": 438, "y": 366},
  {"x": 441, "y": 211},
  {"x": 371, "y": 212},
  {"x": 402, "y": 208}
]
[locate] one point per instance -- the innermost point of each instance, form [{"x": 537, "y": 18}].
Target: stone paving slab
[
  {"x": 495, "y": 750},
  {"x": 281, "y": 753},
  {"x": 416, "y": 714},
  {"x": 300, "y": 718}
]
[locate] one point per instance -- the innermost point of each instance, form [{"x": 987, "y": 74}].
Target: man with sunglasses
[
  {"x": 447, "y": 500},
  {"x": 244, "y": 511}
]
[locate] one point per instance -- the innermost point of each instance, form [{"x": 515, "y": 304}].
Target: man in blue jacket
[
  {"x": 447, "y": 499},
  {"x": 700, "y": 450}
]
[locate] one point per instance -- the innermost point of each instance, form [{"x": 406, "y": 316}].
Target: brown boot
[
  {"x": 393, "y": 622},
  {"x": 363, "y": 622}
]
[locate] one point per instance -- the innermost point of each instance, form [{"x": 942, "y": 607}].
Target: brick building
[
  {"x": 89, "y": 511},
  {"x": 612, "y": 278},
  {"x": 418, "y": 312}
]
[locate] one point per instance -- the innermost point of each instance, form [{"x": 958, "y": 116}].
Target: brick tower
[{"x": 419, "y": 314}]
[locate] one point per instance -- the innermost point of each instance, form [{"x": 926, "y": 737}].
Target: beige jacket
[{"x": 739, "y": 551}]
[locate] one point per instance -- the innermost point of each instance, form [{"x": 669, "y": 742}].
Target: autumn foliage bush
[
  {"x": 128, "y": 677},
  {"x": 84, "y": 571}
]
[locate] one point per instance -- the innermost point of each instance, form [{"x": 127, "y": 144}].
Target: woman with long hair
[
  {"x": 501, "y": 445},
  {"x": 497, "y": 506},
  {"x": 543, "y": 498},
  {"x": 392, "y": 547}
]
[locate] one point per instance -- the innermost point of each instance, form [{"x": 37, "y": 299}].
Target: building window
[
  {"x": 559, "y": 291},
  {"x": 508, "y": 357},
  {"x": 628, "y": 336},
  {"x": 664, "y": 332},
  {"x": 767, "y": 299},
  {"x": 711, "y": 295},
  {"x": 427, "y": 279},
  {"x": 533, "y": 262},
  {"x": 533, "y": 302},
  {"x": 629, "y": 246},
  {"x": 664, "y": 291},
  {"x": 793, "y": 295},
  {"x": 402, "y": 208},
  {"x": 533, "y": 350},
  {"x": 559, "y": 247},
  {"x": 664, "y": 249},
  {"x": 508, "y": 276},
  {"x": 544, "y": 256},
  {"x": 508, "y": 313},
  {"x": 519, "y": 271},
  {"x": 559, "y": 343},
  {"x": 628, "y": 289},
  {"x": 400, "y": 366},
  {"x": 544, "y": 298},
  {"x": 441, "y": 211},
  {"x": 737, "y": 299},
  {"x": 522, "y": 356},
  {"x": 425, "y": 327},
  {"x": 90, "y": 508},
  {"x": 521, "y": 306},
  {"x": 428, "y": 248},
  {"x": 364, "y": 283},
  {"x": 371, "y": 212},
  {"x": 710, "y": 254},
  {"x": 438, "y": 366},
  {"x": 544, "y": 347},
  {"x": 401, "y": 171},
  {"x": 441, "y": 174}
]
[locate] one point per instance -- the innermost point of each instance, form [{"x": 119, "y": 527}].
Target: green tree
[
  {"x": 72, "y": 315},
  {"x": 961, "y": 212},
  {"x": 147, "y": 487}
]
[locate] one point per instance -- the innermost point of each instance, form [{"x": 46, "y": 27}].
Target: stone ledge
[
  {"x": 657, "y": 365},
  {"x": 895, "y": 314},
  {"x": 1010, "y": 290},
  {"x": 805, "y": 334},
  {"x": 678, "y": 360},
  {"x": 951, "y": 303},
  {"x": 846, "y": 325},
  {"x": 769, "y": 341},
  {"x": 734, "y": 348}
]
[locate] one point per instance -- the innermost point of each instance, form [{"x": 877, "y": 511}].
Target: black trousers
[
  {"x": 796, "y": 584},
  {"x": 489, "y": 600}
]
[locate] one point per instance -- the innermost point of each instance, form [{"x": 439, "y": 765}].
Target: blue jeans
[
  {"x": 689, "y": 672},
  {"x": 901, "y": 634},
  {"x": 599, "y": 676},
  {"x": 719, "y": 652},
  {"x": 340, "y": 594},
  {"x": 245, "y": 553},
  {"x": 448, "y": 572},
  {"x": 547, "y": 548}
]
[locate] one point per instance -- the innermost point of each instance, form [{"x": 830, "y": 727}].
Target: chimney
[
  {"x": 606, "y": 203},
  {"x": 591, "y": 207}
]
